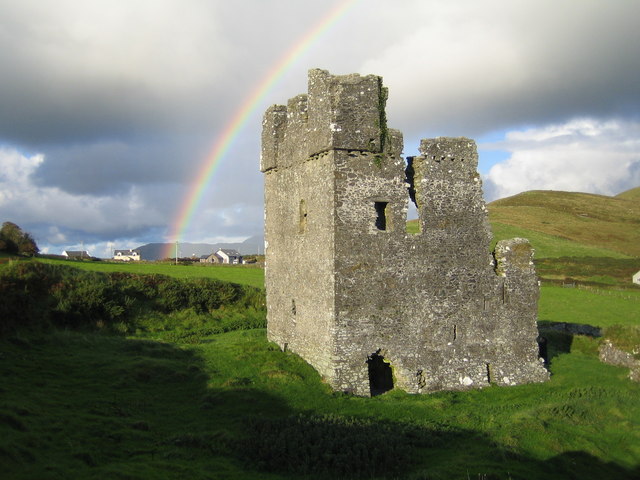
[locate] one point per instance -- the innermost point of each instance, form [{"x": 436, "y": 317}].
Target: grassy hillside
[
  {"x": 580, "y": 237},
  {"x": 633, "y": 194},
  {"x": 609, "y": 223},
  {"x": 550, "y": 246}
]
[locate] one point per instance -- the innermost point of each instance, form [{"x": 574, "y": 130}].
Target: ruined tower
[{"x": 367, "y": 304}]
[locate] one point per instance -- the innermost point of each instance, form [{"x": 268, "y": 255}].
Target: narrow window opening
[
  {"x": 413, "y": 217},
  {"x": 455, "y": 332},
  {"x": 489, "y": 373},
  {"x": 380, "y": 374},
  {"x": 381, "y": 215},
  {"x": 302, "y": 224},
  {"x": 542, "y": 349},
  {"x": 293, "y": 307}
]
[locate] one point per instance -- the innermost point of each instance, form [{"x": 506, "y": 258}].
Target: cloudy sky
[{"x": 109, "y": 109}]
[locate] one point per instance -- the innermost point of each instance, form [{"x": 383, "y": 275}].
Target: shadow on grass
[
  {"x": 92, "y": 406},
  {"x": 556, "y": 338}
]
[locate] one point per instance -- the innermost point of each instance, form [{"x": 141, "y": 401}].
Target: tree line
[{"x": 16, "y": 241}]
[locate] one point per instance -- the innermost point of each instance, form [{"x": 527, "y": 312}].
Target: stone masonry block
[{"x": 346, "y": 112}]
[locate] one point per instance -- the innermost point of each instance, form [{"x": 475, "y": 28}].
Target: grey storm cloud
[
  {"x": 111, "y": 108},
  {"x": 110, "y": 167},
  {"x": 493, "y": 65}
]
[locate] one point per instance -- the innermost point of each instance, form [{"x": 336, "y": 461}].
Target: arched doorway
[{"x": 380, "y": 374}]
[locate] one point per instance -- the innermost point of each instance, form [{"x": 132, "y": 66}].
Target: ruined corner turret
[{"x": 369, "y": 305}]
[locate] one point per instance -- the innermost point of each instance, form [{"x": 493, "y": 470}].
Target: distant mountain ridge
[{"x": 155, "y": 251}]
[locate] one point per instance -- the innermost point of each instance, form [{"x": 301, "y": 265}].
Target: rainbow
[{"x": 227, "y": 137}]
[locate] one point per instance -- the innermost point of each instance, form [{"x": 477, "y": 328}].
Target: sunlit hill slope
[{"x": 595, "y": 221}]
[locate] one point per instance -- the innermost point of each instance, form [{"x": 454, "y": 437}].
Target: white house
[
  {"x": 636, "y": 278},
  {"x": 229, "y": 256},
  {"x": 223, "y": 255},
  {"x": 126, "y": 255}
]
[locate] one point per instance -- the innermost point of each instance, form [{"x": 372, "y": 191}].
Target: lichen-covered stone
[
  {"x": 351, "y": 291},
  {"x": 612, "y": 355}
]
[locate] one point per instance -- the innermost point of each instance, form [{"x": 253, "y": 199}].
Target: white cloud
[
  {"x": 26, "y": 203},
  {"x": 585, "y": 155}
]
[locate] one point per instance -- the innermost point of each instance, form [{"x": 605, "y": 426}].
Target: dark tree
[{"x": 14, "y": 240}]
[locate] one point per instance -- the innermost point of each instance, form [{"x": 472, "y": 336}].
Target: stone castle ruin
[{"x": 368, "y": 305}]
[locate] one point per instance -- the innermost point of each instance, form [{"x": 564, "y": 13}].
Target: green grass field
[
  {"x": 174, "y": 401},
  {"x": 242, "y": 274},
  {"x": 90, "y": 406},
  {"x": 545, "y": 245},
  {"x": 595, "y": 307}
]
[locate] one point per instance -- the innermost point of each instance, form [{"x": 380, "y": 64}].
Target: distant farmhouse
[
  {"x": 223, "y": 255},
  {"x": 636, "y": 278},
  {"x": 126, "y": 255},
  {"x": 76, "y": 254}
]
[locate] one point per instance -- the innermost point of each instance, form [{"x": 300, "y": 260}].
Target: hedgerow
[{"x": 35, "y": 294}]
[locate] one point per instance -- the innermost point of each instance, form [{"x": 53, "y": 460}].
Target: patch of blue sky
[{"x": 490, "y": 151}]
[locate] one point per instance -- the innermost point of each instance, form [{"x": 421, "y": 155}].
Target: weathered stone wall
[
  {"x": 612, "y": 355},
  {"x": 347, "y": 285}
]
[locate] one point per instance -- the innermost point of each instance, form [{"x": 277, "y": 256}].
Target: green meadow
[
  {"x": 242, "y": 274},
  {"x": 155, "y": 379}
]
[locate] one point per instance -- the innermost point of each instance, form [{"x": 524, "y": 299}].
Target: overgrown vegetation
[
  {"x": 625, "y": 337},
  {"x": 36, "y": 295}
]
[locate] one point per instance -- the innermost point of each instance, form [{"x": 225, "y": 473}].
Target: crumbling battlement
[{"x": 369, "y": 305}]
